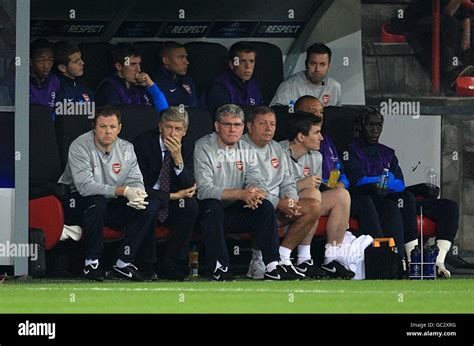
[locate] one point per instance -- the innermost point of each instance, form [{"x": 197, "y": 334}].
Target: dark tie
[{"x": 165, "y": 183}]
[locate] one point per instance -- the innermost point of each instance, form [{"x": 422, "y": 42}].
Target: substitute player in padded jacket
[
  {"x": 231, "y": 193},
  {"x": 103, "y": 174}
]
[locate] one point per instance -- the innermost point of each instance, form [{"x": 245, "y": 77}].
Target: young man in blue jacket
[{"x": 129, "y": 84}]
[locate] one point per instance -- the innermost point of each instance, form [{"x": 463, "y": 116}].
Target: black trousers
[
  {"x": 181, "y": 219},
  {"x": 445, "y": 213},
  {"x": 95, "y": 212},
  {"x": 215, "y": 221},
  {"x": 363, "y": 209}
]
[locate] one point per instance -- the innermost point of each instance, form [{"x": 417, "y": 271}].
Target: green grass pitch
[{"x": 245, "y": 296}]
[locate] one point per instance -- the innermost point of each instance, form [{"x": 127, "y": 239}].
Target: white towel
[
  {"x": 350, "y": 253},
  {"x": 71, "y": 232}
]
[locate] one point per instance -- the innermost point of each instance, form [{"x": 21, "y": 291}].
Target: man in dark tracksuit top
[
  {"x": 171, "y": 77},
  {"x": 101, "y": 170},
  {"x": 70, "y": 68},
  {"x": 44, "y": 85},
  {"x": 129, "y": 85},
  {"x": 153, "y": 149},
  {"x": 362, "y": 207},
  {"x": 367, "y": 160},
  {"x": 232, "y": 196},
  {"x": 235, "y": 85}
]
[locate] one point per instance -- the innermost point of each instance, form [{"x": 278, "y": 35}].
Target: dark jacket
[
  {"x": 177, "y": 89},
  {"x": 148, "y": 151}
]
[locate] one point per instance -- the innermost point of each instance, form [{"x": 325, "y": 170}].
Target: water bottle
[
  {"x": 415, "y": 264},
  {"x": 431, "y": 181},
  {"x": 429, "y": 258},
  {"x": 431, "y": 178},
  {"x": 383, "y": 182},
  {"x": 193, "y": 262},
  {"x": 334, "y": 176}
]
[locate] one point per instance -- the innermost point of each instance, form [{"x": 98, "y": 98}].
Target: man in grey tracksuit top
[
  {"x": 300, "y": 214},
  {"x": 101, "y": 170},
  {"x": 304, "y": 139},
  {"x": 231, "y": 193}
]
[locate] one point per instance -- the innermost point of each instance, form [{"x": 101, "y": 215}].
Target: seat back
[
  {"x": 68, "y": 128},
  {"x": 339, "y": 124},
  {"x": 137, "y": 119},
  {"x": 149, "y": 51},
  {"x": 206, "y": 60},
  {"x": 45, "y": 166},
  {"x": 282, "y": 116},
  {"x": 98, "y": 63},
  {"x": 200, "y": 124}
]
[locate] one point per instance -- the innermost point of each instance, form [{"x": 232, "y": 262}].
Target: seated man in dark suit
[{"x": 166, "y": 163}]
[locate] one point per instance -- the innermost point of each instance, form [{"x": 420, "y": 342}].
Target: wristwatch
[{"x": 180, "y": 166}]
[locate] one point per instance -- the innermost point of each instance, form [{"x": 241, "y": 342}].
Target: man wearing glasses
[{"x": 232, "y": 197}]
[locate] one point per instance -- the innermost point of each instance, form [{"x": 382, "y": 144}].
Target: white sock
[
  {"x": 92, "y": 262},
  {"x": 257, "y": 254},
  {"x": 285, "y": 253},
  {"x": 304, "y": 253},
  {"x": 409, "y": 247},
  {"x": 218, "y": 265},
  {"x": 121, "y": 264},
  {"x": 271, "y": 266},
  {"x": 443, "y": 246}
]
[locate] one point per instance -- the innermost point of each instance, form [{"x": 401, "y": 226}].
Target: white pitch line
[{"x": 221, "y": 290}]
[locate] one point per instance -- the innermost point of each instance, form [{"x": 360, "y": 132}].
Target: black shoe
[
  {"x": 92, "y": 272},
  {"x": 130, "y": 272},
  {"x": 284, "y": 271},
  {"x": 337, "y": 270},
  {"x": 222, "y": 274},
  {"x": 311, "y": 270}
]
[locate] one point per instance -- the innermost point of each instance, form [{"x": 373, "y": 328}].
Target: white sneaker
[
  {"x": 256, "y": 269},
  {"x": 442, "y": 272}
]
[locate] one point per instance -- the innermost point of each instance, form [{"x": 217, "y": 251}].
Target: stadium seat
[
  {"x": 200, "y": 124},
  {"x": 387, "y": 37},
  {"x": 282, "y": 115},
  {"x": 46, "y": 213},
  {"x": 339, "y": 124},
  {"x": 149, "y": 51},
  {"x": 429, "y": 227},
  {"x": 97, "y": 60},
  {"x": 268, "y": 69},
  {"x": 45, "y": 209},
  {"x": 68, "y": 128},
  {"x": 137, "y": 119},
  {"x": 206, "y": 60}
]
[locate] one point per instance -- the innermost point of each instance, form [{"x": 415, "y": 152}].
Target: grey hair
[
  {"x": 175, "y": 114},
  {"x": 229, "y": 110}
]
